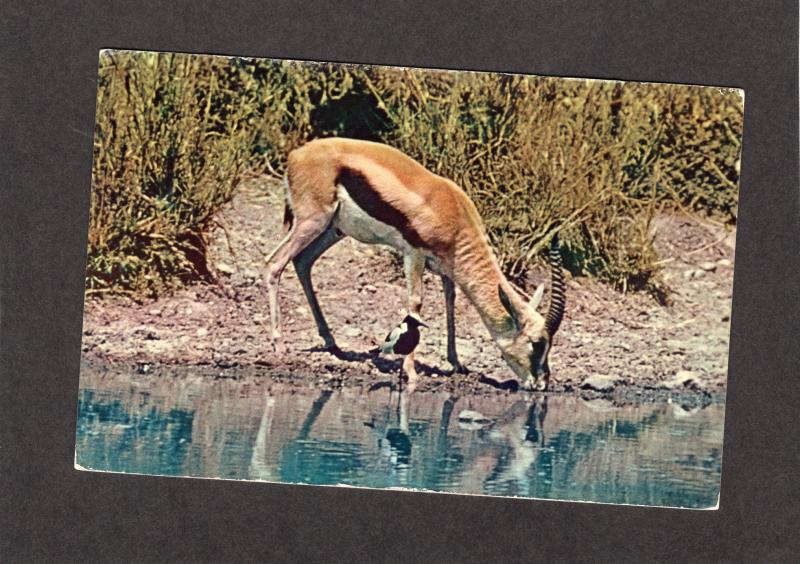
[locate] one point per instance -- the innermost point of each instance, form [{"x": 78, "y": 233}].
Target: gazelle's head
[{"x": 527, "y": 346}]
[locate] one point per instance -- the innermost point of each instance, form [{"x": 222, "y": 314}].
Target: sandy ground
[{"x": 608, "y": 340}]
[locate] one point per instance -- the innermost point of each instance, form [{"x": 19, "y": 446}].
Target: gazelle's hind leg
[
  {"x": 302, "y": 265},
  {"x": 303, "y": 234}
]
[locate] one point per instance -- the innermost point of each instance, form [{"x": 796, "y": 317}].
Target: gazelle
[{"x": 376, "y": 194}]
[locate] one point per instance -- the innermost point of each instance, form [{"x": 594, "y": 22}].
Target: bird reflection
[{"x": 396, "y": 445}]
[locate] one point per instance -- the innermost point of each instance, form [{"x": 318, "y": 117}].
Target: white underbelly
[{"x": 353, "y": 221}]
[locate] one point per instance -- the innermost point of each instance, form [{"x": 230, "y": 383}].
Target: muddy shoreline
[
  {"x": 622, "y": 346},
  {"x": 97, "y": 373}
]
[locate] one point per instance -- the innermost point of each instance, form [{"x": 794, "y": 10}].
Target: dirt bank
[{"x": 608, "y": 341}]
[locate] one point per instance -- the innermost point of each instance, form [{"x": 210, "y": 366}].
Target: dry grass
[{"x": 592, "y": 160}]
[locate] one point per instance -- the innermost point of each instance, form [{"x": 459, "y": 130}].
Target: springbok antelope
[{"x": 376, "y": 194}]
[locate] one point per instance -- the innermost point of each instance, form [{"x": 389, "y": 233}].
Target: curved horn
[{"x": 555, "y": 312}]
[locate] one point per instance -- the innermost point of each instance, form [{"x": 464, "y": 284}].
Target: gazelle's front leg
[
  {"x": 450, "y": 308},
  {"x": 414, "y": 266}
]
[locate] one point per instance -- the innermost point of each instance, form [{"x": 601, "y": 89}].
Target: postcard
[{"x": 419, "y": 279}]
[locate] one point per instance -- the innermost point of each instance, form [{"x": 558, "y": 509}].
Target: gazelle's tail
[{"x": 288, "y": 214}]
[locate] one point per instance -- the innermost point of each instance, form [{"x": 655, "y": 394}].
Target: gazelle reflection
[{"x": 516, "y": 440}]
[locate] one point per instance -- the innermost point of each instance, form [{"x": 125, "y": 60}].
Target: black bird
[{"x": 404, "y": 338}]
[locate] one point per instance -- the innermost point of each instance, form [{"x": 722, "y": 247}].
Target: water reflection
[{"x": 558, "y": 447}]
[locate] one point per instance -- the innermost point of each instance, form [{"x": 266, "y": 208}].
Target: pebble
[
  {"x": 352, "y": 331},
  {"x": 684, "y": 379},
  {"x": 472, "y": 420},
  {"x": 469, "y": 415},
  {"x": 708, "y": 266},
  {"x": 599, "y": 383},
  {"x": 225, "y": 268}
]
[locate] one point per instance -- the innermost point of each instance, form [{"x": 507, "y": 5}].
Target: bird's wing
[{"x": 391, "y": 338}]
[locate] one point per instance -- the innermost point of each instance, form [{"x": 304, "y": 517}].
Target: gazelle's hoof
[
  {"x": 458, "y": 368},
  {"x": 329, "y": 343},
  {"x": 534, "y": 385}
]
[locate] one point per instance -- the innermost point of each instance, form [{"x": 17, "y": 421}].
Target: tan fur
[{"x": 444, "y": 218}]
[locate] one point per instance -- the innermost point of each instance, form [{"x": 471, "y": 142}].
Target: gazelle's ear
[
  {"x": 537, "y": 298},
  {"x": 509, "y": 308}
]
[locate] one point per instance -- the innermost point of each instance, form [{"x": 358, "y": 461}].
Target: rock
[
  {"x": 685, "y": 379},
  {"x": 224, "y": 268},
  {"x": 155, "y": 312},
  {"x": 201, "y": 332},
  {"x": 472, "y": 420},
  {"x": 370, "y": 288},
  {"x": 599, "y": 383},
  {"x": 469, "y": 415},
  {"x": 724, "y": 262},
  {"x": 352, "y": 331},
  {"x": 708, "y": 266}
]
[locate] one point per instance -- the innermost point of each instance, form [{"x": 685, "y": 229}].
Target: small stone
[
  {"x": 155, "y": 312},
  {"x": 599, "y": 383},
  {"x": 352, "y": 331},
  {"x": 724, "y": 262},
  {"x": 201, "y": 332},
  {"x": 684, "y": 379},
  {"x": 469, "y": 415},
  {"x": 472, "y": 420},
  {"x": 225, "y": 268},
  {"x": 370, "y": 288},
  {"x": 708, "y": 266}
]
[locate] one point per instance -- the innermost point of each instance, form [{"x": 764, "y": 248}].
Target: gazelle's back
[{"x": 382, "y": 195}]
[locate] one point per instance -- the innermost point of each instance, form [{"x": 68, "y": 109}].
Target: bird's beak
[{"x": 423, "y": 325}]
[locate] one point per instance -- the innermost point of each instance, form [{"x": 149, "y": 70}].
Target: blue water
[{"x": 557, "y": 447}]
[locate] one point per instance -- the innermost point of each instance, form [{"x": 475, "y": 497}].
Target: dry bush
[
  {"x": 594, "y": 161},
  {"x": 172, "y": 138}
]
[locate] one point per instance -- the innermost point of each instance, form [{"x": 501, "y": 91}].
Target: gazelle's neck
[{"x": 478, "y": 274}]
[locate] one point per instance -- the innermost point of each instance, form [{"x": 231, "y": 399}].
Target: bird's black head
[{"x": 413, "y": 321}]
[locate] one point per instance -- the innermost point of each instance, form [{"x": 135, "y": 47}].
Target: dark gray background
[{"x": 49, "y": 511}]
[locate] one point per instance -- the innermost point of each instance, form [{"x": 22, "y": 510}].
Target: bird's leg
[
  {"x": 414, "y": 265},
  {"x": 410, "y": 372}
]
